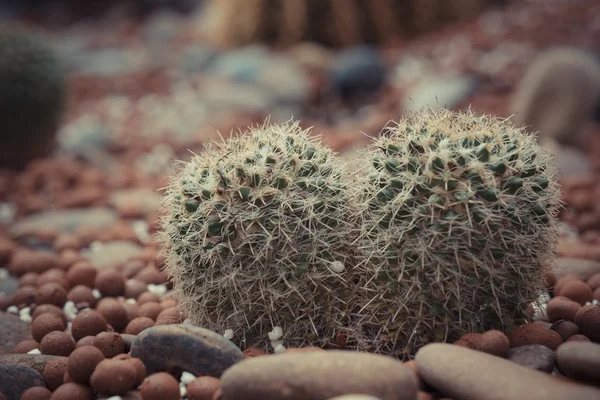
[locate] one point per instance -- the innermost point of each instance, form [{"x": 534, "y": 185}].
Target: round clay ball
[
  {"x": 494, "y": 342},
  {"x": 560, "y": 282},
  {"x": 150, "y": 309},
  {"x": 203, "y": 388},
  {"x": 25, "y": 295},
  {"x": 29, "y": 279},
  {"x": 44, "y": 324},
  {"x": 169, "y": 316},
  {"x": 150, "y": 275},
  {"x": 160, "y": 386},
  {"x": 66, "y": 242},
  {"x": 72, "y": 391},
  {"x": 36, "y": 393},
  {"x": 81, "y": 273},
  {"x": 578, "y": 338},
  {"x": 52, "y": 293},
  {"x": 562, "y": 308},
  {"x": 593, "y": 281},
  {"x": 588, "y": 321},
  {"x": 110, "y": 282},
  {"x": 52, "y": 276},
  {"x": 114, "y": 313},
  {"x": 86, "y": 341},
  {"x": 138, "y": 324},
  {"x": 578, "y": 291},
  {"x": 82, "y": 363},
  {"x": 148, "y": 297},
  {"x": 54, "y": 372},
  {"x": 534, "y": 333},
  {"x": 114, "y": 377},
  {"x": 26, "y": 346},
  {"x": 57, "y": 343},
  {"x": 133, "y": 289},
  {"x": 88, "y": 323},
  {"x": 110, "y": 344},
  {"x": 82, "y": 294},
  {"x": 49, "y": 308},
  {"x": 140, "y": 369}
]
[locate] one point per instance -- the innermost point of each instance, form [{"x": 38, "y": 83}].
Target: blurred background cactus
[
  {"x": 333, "y": 23},
  {"x": 458, "y": 228},
  {"x": 257, "y": 235},
  {"x": 33, "y": 96}
]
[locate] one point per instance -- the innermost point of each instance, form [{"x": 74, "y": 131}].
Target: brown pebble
[
  {"x": 132, "y": 267},
  {"x": 67, "y": 378},
  {"x": 203, "y": 388},
  {"x": 150, "y": 275},
  {"x": 412, "y": 364},
  {"x": 85, "y": 341},
  {"x": 26, "y": 295},
  {"x": 253, "y": 352},
  {"x": 137, "y": 325},
  {"x": 52, "y": 293},
  {"x": 594, "y": 281},
  {"x": 588, "y": 321},
  {"x": 81, "y": 273},
  {"x": 133, "y": 288},
  {"x": 577, "y": 291},
  {"x": 82, "y": 363},
  {"x": 464, "y": 343},
  {"x": 82, "y": 294},
  {"x": 46, "y": 323},
  {"x": 131, "y": 309},
  {"x": 88, "y": 323},
  {"x": 110, "y": 343},
  {"x": 169, "y": 316},
  {"x": 561, "y": 308},
  {"x": 160, "y": 386},
  {"x": 72, "y": 391},
  {"x": 110, "y": 282},
  {"x": 140, "y": 368},
  {"x": 533, "y": 333},
  {"x": 218, "y": 394},
  {"x": 472, "y": 338},
  {"x": 54, "y": 372},
  {"x": 424, "y": 396},
  {"x": 114, "y": 377},
  {"x": 66, "y": 241},
  {"x": 36, "y": 393},
  {"x": 25, "y": 260},
  {"x": 168, "y": 303},
  {"x": 26, "y": 346},
  {"x": 566, "y": 329},
  {"x": 52, "y": 276},
  {"x": 563, "y": 280},
  {"x": 579, "y": 337},
  {"x": 7, "y": 247},
  {"x": 550, "y": 280},
  {"x": 67, "y": 258},
  {"x": 494, "y": 342},
  {"x": 49, "y": 308},
  {"x": 114, "y": 313},
  {"x": 57, "y": 344},
  {"x": 148, "y": 297},
  {"x": 29, "y": 279},
  {"x": 150, "y": 309}
]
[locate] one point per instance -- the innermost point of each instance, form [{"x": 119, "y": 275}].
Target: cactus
[
  {"x": 256, "y": 235},
  {"x": 458, "y": 228},
  {"x": 331, "y": 22},
  {"x": 33, "y": 87}
]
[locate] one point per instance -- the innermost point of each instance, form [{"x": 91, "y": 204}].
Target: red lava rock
[
  {"x": 563, "y": 280},
  {"x": 25, "y": 260},
  {"x": 114, "y": 313},
  {"x": 150, "y": 309},
  {"x": 52, "y": 293},
  {"x": 29, "y": 279},
  {"x": 494, "y": 342},
  {"x": 26, "y": 295},
  {"x": 561, "y": 308},
  {"x": 82, "y": 363},
  {"x": 36, "y": 393},
  {"x": 566, "y": 329},
  {"x": 203, "y": 388},
  {"x": 52, "y": 275},
  {"x": 137, "y": 325},
  {"x": 110, "y": 282},
  {"x": 577, "y": 291},
  {"x": 160, "y": 386},
  {"x": 578, "y": 337},
  {"x": 88, "y": 323},
  {"x": 594, "y": 281},
  {"x": 46, "y": 323},
  {"x": 588, "y": 320},
  {"x": 533, "y": 333},
  {"x": 81, "y": 273},
  {"x": 72, "y": 391},
  {"x": 115, "y": 377},
  {"x": 54, "y": 372},
  {"x": 252, "y": 352},
  {"x": 133, "y": 288},
  {"x": 80, "y": 294},
  {"x": 57, "y": 344},
  {"x": 169, "y": 316},
  {"x": 49, "y": 308},
  {"x": 110, "y": 343},
  {"x": 85, "y": 341},
  {"x": 67, "y": 242},
  {"x": 150, "y": 275},
  {"x": 26, "y": 346}
]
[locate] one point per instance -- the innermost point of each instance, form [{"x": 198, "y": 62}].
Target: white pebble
[
  {"x": 159, "y": 290},
  {"x": 182, "y": 391},
  {"x": 140, "y": 228},
  {"x": 97, "y": 294},
  {"x": 34, "y": 351},
  {"x": 276, "y": 333},
  {"x": 187, "y": 377},
  {"x": 3, "y": 273},
  {"x": 337, "y": 266},
  {"x": 7, "y": 213},
  {"x": 228, "y": 334},
  {"x": 595, "y": 302},
  {"x": 131, "y": 301},
  {"x": 115, "y": 398},
  {"x": 70, "y": 310},
  {"x": 96, "y": 246},
  {"x": 24, "y": 315},
  {"x": 13, "y": 309},
  {"x": 279, "y": 349}
]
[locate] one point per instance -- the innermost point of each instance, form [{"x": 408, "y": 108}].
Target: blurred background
[{"x": 150, "y": 81}]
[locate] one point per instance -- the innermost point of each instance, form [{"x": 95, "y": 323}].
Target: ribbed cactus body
[
  {"x": 255, "y": 231},
  {"x": 458, "y": 228}
]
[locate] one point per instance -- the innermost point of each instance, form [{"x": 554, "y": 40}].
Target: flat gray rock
[
  {"x": 15, "y": 379},
  {"x": 318, "y": 375},
  {"x": 112, "y": 254},
  {"x": 534, "y": 356},
  {"x": 65, "y": 221},
  {"x": 467, "y": 374},
  {"x": 581, "y": 267},
  {"x": 35, "y": 361},
  {"x": 12, "y": 332},
  {"x": 580, "y": 360}
]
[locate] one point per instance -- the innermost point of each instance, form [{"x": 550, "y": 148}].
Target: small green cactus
[
  {"x": 256, "y": 235},
  {"x": 458, "y": 228},
  {"x": 33, "y": 88}
]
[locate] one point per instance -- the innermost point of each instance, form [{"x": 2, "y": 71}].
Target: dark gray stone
[
  {"x": 15, "y": 379},
  {"x": 34, "y": 361},
  {"x": 358, "y": 70},
  {"x": 12, "y": 331},
  {"x": 534, "y": 356}
]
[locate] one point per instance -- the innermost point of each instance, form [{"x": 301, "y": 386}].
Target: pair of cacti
[
  {"x": 331, "y": 22},
  {"x": 447, "y": 226}
]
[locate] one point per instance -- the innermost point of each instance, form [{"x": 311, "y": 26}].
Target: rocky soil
[{"x": 85, "y": 309}]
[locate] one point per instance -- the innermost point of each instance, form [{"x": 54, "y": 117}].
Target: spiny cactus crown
[
  {"x": 458, "y": 225},
  {"x": 253, "y": 230}
]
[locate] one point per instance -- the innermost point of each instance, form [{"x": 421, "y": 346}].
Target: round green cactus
[
  {"x": 458, "y": 228},
  {"x": 256, "y": 235},
  {"x": 33, "y": 87}
]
